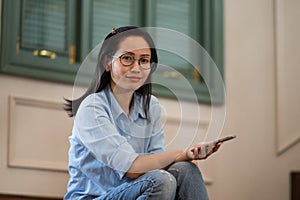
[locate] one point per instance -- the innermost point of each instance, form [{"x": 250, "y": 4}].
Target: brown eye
[
  {"x": 127, "y": 59},
  {"x": 144, "y": 61}
]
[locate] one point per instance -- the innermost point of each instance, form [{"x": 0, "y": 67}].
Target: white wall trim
[{"x": 13, "y": 159}]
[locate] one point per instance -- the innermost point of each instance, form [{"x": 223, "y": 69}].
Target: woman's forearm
[{"x": 143, "y": 164}]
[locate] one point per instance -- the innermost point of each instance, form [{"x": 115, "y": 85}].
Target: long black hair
[{"x": 102, "y": 77}]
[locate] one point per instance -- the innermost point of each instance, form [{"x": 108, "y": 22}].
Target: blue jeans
[{"x": 182, "y": 180}]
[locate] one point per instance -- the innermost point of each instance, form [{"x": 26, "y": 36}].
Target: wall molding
[
  {"x": 18, "y": 156},
  {"x": 286, "y": 61}
]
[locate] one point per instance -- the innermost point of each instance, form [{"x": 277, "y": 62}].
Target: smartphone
[
  {"x": 230, "y": 137},
  {"x": 224, "y": 139}
]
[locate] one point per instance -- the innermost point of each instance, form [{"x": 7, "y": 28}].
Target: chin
[
  {"x": 129, "y": 87},
  {"x": 133, "y": 85}
]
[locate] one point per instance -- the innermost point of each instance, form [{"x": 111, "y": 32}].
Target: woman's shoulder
[
  {"x": 154, "y": 100},
  {"x": 155, "y": 106},
  {"x": 95, "y": 101},
  {"x": 95, "y": 98}
]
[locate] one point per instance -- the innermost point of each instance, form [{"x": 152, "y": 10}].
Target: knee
[
  {"x": 165, "y": 182},
  {"x": 189, "y": 180},
  {"x": 164, "y": 179},
  {"x": 185, "y": 169},
  {"x": 185, "y": 166}
]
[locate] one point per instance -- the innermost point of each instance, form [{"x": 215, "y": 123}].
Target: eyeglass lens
[{"x": 128, "y": 60}]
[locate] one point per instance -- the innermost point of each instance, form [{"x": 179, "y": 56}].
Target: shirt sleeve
[
  {"x": 96, "y": 129},
  {"x": 157, "y": 143}
]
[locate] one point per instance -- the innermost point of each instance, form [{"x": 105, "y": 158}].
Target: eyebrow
[{"x": 142, "y": 55}]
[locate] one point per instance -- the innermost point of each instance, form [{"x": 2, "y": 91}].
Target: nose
[{"x": 135, "y": 66}]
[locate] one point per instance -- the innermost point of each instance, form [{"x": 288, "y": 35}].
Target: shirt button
[{"x": 129, "y": 137}]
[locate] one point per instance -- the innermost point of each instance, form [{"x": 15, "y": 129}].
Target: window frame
[
  {"x": 18, "y": 62},
  {"x": 60, "y": 70},
  {"x": 211, "y": 40}
]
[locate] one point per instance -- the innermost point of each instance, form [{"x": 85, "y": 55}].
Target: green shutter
[
  {"x": 43, "y": 25},
  {"x": 109, "y": 14},
  {"x": 202, "y": 21},
  {"x": 32, "y": 27},
  {"x": 175, "y": 15}
]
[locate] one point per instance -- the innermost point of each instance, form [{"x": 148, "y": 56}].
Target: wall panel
[
  {"x": 288, "y": 72},
  {"x": 38, "y": 134}
]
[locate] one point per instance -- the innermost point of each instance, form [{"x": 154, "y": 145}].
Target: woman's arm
[{"x": 143, "y": 164}]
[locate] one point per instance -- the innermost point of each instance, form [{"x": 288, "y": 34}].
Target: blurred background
[{"x": 255, "y": 45}]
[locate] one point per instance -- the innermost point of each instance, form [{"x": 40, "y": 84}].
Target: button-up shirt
[{"x": 105, "y": 142}]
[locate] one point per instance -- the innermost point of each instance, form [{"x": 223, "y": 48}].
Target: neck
[{"x": 123, "y": 97}]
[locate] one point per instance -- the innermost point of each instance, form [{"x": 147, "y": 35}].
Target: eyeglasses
[{"x": 128, "y": 60}]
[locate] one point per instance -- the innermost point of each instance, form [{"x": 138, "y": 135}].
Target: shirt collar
[{"x": 136, "y": 110}]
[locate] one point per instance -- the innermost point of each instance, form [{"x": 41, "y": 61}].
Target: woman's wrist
[{"x": 182, "y": 156}]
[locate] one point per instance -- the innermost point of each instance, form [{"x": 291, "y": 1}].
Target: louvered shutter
[
  {"x": 43, "y": 25},
  {"x": 41, "y": 38},
  {"x": 108, "y": 14},
  {"x": 176, "y": 15}
]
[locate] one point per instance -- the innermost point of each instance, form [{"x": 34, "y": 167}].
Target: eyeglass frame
[{"x": 133, "y": 61}]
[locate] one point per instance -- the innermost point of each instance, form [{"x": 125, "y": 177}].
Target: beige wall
[
  {"x": 251, "y": 168},
  {"x": 33, "y": 137},
  {"x": 257, "y": 77}
]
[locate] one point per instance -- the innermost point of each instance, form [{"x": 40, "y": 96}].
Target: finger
[
  {"x": 210, "y": 152},
  {"x": 202, "y": 152},
  {"x": 218, "y": 145},
  {"x": 196, "y": 153},
  {"x": 210, "y": 149},
  {"x": 193, "y": 153}
]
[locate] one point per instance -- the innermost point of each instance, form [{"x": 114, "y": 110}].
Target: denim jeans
[{"x": 182, "y": 180}]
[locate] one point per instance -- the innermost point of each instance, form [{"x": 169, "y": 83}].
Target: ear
[
  {"x": 107, "y": 67},
  {"x": 107, "y": 63}
]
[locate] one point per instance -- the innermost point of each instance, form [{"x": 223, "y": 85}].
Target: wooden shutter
[
  {"x": 40, "y": 39},
  {"x": 109, "y": 14},
  {"x": 43, "y": 25}
]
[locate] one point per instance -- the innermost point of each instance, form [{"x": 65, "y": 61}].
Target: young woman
[{"x": 117, "y": 145}]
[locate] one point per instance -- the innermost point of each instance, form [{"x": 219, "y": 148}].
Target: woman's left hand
[{"x": 204, "y": 150}]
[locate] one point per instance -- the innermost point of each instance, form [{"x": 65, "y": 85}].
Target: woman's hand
[{"x": 202, "y": 150}]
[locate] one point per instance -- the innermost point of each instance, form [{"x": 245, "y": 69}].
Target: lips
[{"x": 134, "y": 78}]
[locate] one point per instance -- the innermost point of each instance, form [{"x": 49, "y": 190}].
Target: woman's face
[{"x": 130, "y": 78}]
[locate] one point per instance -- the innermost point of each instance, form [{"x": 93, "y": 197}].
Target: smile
[{"x": 134, "y": 78}]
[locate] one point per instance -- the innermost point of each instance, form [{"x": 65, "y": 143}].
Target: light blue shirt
[{"x": 105, "y": 142}]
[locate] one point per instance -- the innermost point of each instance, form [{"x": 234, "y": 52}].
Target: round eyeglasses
[{"x": 128, "y": 60}]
